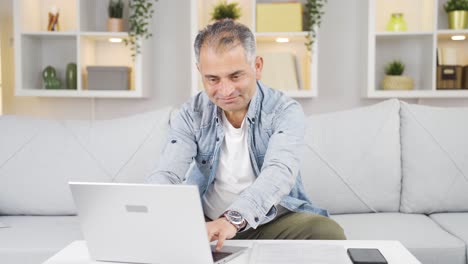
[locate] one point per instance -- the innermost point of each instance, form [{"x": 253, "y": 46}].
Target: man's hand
[{"x": 220, "y": 229}]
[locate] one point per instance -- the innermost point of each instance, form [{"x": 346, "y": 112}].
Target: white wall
[
  {"x": 1, "y": 107},
  {"x": 342, "y": 67}
]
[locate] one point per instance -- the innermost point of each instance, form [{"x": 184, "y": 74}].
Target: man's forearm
[{"x": 163, "y": 177}]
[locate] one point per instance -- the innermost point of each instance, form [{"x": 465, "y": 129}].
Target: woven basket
[{"x": 394, "y": 82}]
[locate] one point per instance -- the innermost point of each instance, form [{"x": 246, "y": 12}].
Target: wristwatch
[{"x": 235, "y": 218}]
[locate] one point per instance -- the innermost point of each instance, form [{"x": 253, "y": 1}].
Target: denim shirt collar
[{"x": 254, "y": 106}]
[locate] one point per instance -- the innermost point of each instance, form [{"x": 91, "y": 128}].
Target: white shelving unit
[
  {"x": 82, "y": 39},
  {"x": 266, "y": 42},
  {"x": 417, "y": 48}
]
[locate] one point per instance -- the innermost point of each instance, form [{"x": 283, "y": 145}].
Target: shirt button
[
  {"x": 280, "y": 132},
  {"x": 173, "y": 141},
  {"x": 256, "y": 219},
  {"x": 203, "y": 162},
  {"x": 217, "y": 138}
]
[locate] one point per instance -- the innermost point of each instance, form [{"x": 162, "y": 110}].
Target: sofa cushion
[
  {"x": 39, "y": 157},
  {"x": 351, "y": 162},
  {"x": 418, "y": 233},
  {"x": 434, "y": 143},
  {"x": 454, "y": 223},
  {"x": 33, "y": 239}
]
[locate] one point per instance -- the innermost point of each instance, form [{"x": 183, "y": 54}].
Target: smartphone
[{"x": 366, "y": 256}]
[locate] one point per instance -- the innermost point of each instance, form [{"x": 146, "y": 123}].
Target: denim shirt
[{"x": 275, "y": 139}]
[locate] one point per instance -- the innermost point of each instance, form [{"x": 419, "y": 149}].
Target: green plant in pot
[
  {"x": 141, "y": 12},
  {"x": 115, "y": 21},
  {"x": 457, "y": 11},
  {"x": 224, "y": 10},
  {"x": 394, "y": 79},
  {"x": 313, "y": 14}
]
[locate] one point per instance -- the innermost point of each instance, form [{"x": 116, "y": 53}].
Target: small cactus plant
[
  {"x": 456, "y": 5},
  {"x": 115, "y": 9},
  {"x": 395, "y": 67}
]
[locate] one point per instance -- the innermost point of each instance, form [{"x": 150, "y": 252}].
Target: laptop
[{"x": 145, "y": 223}]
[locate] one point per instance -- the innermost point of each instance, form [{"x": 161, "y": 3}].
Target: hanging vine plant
[
  {"x": 314, "y": 13},
  {"x": 139, "y": 21}
]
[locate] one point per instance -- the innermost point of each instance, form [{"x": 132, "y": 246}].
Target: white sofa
[{"x": 388, "y": 171}]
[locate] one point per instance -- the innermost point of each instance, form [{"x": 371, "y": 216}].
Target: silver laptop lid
[{"x": 142, "y": 223}]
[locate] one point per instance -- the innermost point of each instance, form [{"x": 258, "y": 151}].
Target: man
[{"x": 245, "y": 139}]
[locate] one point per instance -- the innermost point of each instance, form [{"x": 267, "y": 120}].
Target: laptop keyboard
[{"x": 219, "y": 255}]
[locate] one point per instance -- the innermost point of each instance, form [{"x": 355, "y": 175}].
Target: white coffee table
[{"x": 394, "y": 251}]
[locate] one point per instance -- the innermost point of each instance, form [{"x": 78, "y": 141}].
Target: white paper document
[
  {"x": 2, "y": 225},
  {"x": 297, "y": 253}
]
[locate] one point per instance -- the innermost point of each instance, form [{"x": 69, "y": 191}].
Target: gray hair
[{"x": 224, "y": 35}]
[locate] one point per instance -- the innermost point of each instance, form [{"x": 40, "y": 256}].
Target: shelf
[
  {"x": 419, "y": 94},
  {"x": 93, "y": 15},
  {"x": 49, "y": 33},
  {"x": 403, "y": 34},
  {"x": 417, "y": 56},
  {"x": 104, "y": 34},
  {"x": 304, "y": 61},
  {"x": 80, "y": 93},
  {"x": 446, "y": 35},
  {"x": 427, "y": 37},
  {"x": 454, "y": 52},
  {"x": 96, "y": 50},
  {"x": 272, "y": 36},
  {"x": 204, "y": 8},
  {"x": 418, "y": 14},
  {"x": 83, "y": 39},
  {"x": 301, "y": 94},
  {"x": 34, "y": 14},
  {"x": 39, "y": 52},
  {"x": 452, "y": 32}
]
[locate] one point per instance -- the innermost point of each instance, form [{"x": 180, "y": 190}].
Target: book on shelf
[
  {"x": 280, "y": 70},
  {"x": 447, "y": 56}
]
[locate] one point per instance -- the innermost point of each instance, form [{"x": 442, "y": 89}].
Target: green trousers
[{"x": 301, "y": 226}]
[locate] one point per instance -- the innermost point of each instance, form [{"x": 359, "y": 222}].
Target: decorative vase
[
  {"x": 71, "y": 76},
  {"x": 397, "y": 82},
  {"x": 53, "y": 23},
  {"x": 397, "y": 23},
  {"x": 49, "y": 72},
  {"x": 49, "y": 75},
  {"x": 458, "y": 19},
  {"x": 115, "y": 25},
  {"x": 52, "y": 83}
]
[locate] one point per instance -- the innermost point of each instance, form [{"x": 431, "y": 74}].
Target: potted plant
[
  {"x": 313, "y": 13},
  {"x": 223, "y": 10},
  {"x": 115, "y": 21},
  {"x": 457, "y": 11},
  {"x": 394, "y": 79},
  {"x": 141, "y": 12}
]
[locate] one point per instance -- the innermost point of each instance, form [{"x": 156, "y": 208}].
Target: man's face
[{"x": 229, "y": 79}]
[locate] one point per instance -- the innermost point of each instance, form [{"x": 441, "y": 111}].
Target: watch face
[{"x": 235, "y": 217}]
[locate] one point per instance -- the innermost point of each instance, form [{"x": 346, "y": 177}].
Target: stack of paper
[{"x": 297, "y": 253}]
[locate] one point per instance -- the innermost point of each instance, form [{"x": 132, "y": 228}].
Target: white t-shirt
[{"x": 234, "y": 172}]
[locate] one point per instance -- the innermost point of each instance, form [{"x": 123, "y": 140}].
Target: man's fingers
[
  {"x": 212, "y": 236},
  {"x": 220, "y": 243}
]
